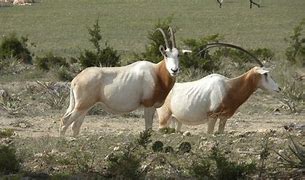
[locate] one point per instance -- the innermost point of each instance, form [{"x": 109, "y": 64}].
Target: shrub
[
  {"x": 217, "y": 166},
  {"x": 17, "y": 47},
  {"x": 124, "y": 164},
  {"x": 201, "y": 169},
  {"x": 296, "y": 159},
  {"x": 4, "y": 133},
  {"x": 64, "y": 74},
  {"x": 185, "y": 147},
  {"x": 296, "y": 51},
  {"x": 8, "y": 160},
  {"x": 226, "y": 169},
  {"x": 10, "y": 65},
  {"x": 203, "y": 61},
  {"x": 157, "y": 146},
  {"x": 50, "y": 61},
  {"x": 54, "y": 95},
  {"x": 242, "y": 58},
  {"x": 293, "y": 94},
  {"x": 144, "y": 138},
  {"x": 106, "y": 56},
  {"x": 152, "y": 52},
  {"x": 194, "y": 60}
]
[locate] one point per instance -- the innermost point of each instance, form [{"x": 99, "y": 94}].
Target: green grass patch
[{"x": 61, "y": 26}]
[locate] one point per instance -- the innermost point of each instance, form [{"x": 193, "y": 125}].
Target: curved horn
[
  {"x": 172, "y": 37},
  {"x": 164, "y": 37},
  {"x": 217, "y": 44}
]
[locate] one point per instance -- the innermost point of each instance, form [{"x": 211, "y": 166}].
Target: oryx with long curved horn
[
  {"x": 220, "y": 44},
  {"x": 213, "y": 97},
  {"x": 123, "y": 89}
]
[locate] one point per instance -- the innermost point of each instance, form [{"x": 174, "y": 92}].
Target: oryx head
[
  {"x": 266, "y": 81},
  {"x": 170, "y": 54}
]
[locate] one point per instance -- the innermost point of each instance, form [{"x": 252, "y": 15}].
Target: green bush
[
  {"x": 295, "y": 53},
  {"x": 4, "y": 133},
  {"x": 203, "y": 61},
  {"x": 296, "y": 157},
  {"x": 201, "y": 169},
  {"x": 106, "y": 56},
  {"x": 242, "y": 58},
  {"x": 293, "y": 94},
  {"x": 64, "y": 74},
  {"x": 226, "y": 169},
  {"x": 152, "y": 52},
  {"x": 50, "y": 61},
  {"x": 217, "y": 166},
  {"x": 124, "y": 164},
  {"x": 144, "y": 138},
  {"x": 8, "y": 160},
  {"x": 12, "y": 46}
]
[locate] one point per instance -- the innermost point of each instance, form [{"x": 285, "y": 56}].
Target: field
[{"x": 32, "y": 115}]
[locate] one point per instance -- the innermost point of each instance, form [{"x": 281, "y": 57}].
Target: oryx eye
[{"x": 266, "y": 76}]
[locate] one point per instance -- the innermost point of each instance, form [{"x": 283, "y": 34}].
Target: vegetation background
[
  {"x": 61, "y": 26},
  {"x": 256, "y": 143}
]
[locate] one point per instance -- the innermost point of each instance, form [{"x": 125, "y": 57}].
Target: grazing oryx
[
  {"x": 251, "y": 3},
  {"x": 212, "y": 97},
  {"x": 123, "y": 89}
]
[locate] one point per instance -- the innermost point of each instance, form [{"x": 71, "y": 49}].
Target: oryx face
[
  {"x": 171, "y": 55},
  {"x": 266, "y": 82}
]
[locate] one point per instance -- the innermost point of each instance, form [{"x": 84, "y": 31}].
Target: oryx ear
[
  {"x": 185, "y": 51},
  {"x": 162, "y": 51},
  {"x": 262, "y": 70}
]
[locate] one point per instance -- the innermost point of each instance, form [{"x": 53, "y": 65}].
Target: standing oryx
[
  {"x": 213, "y": 97},
  {"x": 123, "y": 89}
]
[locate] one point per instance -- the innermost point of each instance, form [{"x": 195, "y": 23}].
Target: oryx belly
[
  {"x": 124, "y": 91},
  {"x": 192, "y": 102}
]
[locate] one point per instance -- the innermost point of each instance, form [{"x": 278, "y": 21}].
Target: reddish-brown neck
[
  {"x": 164, "y": 83},
  {"x": 239, "y": 90},
  {"x": 242, "y": 87}
]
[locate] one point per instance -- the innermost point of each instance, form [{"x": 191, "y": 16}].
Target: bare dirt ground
[
  {"x": 94, "y": 124},
  {"x": 263, "y": 111},
  {"x": 33, "y": 112}
]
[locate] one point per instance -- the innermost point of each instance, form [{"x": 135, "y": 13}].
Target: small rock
[
  {"x": 22, "y": 125},
  {"x": 116, "y": 148},
  {"x": 70, "y": 139},
  {"x": 186, "y": 133},
  {"x": 38, "y": 155},
  {"x": 54, "y": 151},
  {"x": 120, "y": 133},
  {"x": 204, "y": 138}
]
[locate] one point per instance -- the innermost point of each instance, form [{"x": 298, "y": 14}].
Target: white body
[
  {"x": 122, "y": 89},
  {"x": 191, "y": 101}
]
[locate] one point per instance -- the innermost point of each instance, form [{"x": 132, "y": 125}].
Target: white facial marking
[
  {"x": 267, "y": 83},
  {"x": 172, "y": 61}
]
